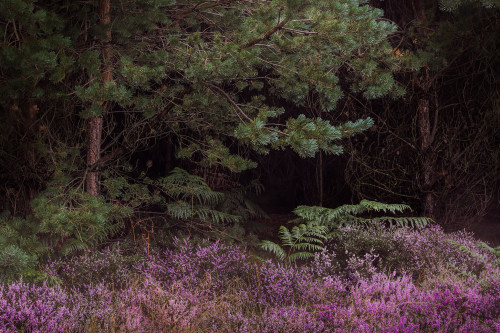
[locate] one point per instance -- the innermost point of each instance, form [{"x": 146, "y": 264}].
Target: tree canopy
[{"x": 86, "y": 85}]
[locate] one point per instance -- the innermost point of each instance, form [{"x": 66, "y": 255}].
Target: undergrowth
[{"x": 367, "y": 279}]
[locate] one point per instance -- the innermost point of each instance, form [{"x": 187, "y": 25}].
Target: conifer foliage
[
  {"x": 216, "y": 78},
  {"x": 208, "y": 74}
]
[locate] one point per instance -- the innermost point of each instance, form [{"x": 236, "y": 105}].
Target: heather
[{"x": 367, "y": 279}]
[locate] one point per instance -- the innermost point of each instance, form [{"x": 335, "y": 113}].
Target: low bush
[{"x": 359, "y": 284}]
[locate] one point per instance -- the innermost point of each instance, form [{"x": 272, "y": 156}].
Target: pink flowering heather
[
  {"x": 35, "y": 309},
  {"x": 420, "y": 253},
  {"x": 108, "y": 266},
  {"x": 434, "y": 282},
  {"x": 190, "y": 265}
]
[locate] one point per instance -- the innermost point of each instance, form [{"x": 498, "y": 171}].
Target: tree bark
[
  {"x": 96, "y": 123},
  {"x": 427, "y": 169}
]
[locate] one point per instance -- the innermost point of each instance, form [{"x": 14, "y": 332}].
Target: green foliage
[
  {"x": 237, "y": 202},
  {"x": 211, "y": 77},
  {"x": 64, "y": 221},
  {"x": 300, "y": 243},
  {"x": 320, "y": 221},
  {"x": 493, "y": 250},
  {"x": 76, "y": 221},
  {"x": 346, "y": 214},
  {"x": 20, "y": 248},
  {"x": 186, "y": 197},
  {"x": 192, "y": 198},
  {"x": 70, "y": 220},
  {"x": 33, "y": 55},
  {"x": 218, "y": 68}
]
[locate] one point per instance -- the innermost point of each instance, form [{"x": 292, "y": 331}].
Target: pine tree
[
  {"x": 34, "y": 60},
  {"x": 212, "y": 73},
  {"x": 214, "y": 76},
  {"x": 209, "y": 73}
]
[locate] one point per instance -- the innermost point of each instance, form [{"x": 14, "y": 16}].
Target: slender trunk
[
  {"x": 426, "y": 132},
  {"x": 427, "y": 168},
  {"x": 96, "y": 123},
  {"x": 93, "y": 154}
]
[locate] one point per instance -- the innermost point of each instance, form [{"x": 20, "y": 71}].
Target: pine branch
[{"x": 267, "y": 34}]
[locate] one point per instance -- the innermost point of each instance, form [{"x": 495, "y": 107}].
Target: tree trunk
[
  {"x": 93, "y": 154},
  {"x": 427, "y": 168},
  {"x": 427, "y": 134},
  {"x": 95, "y": 123}
]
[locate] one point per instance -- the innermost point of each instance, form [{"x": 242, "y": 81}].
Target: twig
[
  {"x": 302, "y": 32},
  {"x": 267, "y": 34},
  {"x": 229, "y": 99}
]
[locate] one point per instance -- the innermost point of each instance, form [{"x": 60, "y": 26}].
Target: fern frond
[
  {"x": 274, "y": 249},
  {"x": 414, "y": 222},
  {"x": 383, "y": 207},
  {"x": 308, "y": 247},
  {"x": 212, "y": 215},
  {"x": 313, "y": 240},
  {"x": 329, "y": 216},
  {"x": 180, "y": 184},
  {"x": 180, "y": 210},
  {"x": 285, "y": 236},
  {"x": 73, "y": 245},
  {"x": 493, "y": 250},
  {"x": 346, "y": 214},
  {"x": 300, "y": 256},
  {"x": 300, "y": 240},
  {"x": 299, "y": 231}
]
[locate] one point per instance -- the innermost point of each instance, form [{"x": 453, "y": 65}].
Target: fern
[
  {"x": 183, "y": 211},
  {"x": 492, "y": 250},
  {"x": 236, "y": 201},
  {"x": 347, "y": 214},
  {"x": 184, "y": 196},
  {"x": 193, "y": 199},
  {"x": 305, "y": 239},
  {"x": 183, "y": 185},
  {"x": 300, "y": 243},
  {"x": 414, "y": 222}
]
